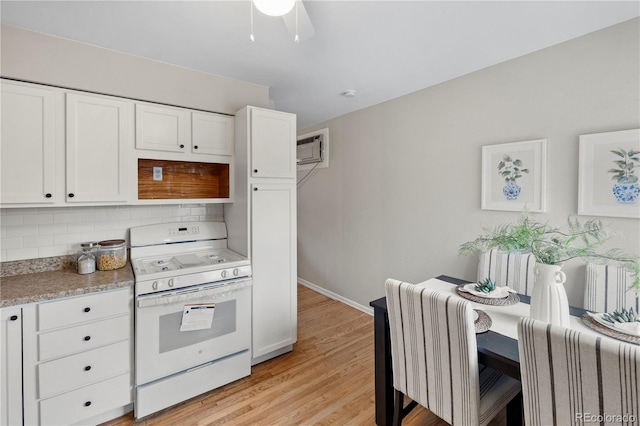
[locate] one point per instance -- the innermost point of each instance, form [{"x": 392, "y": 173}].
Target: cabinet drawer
[
  {"x": 82, "y": 369},
  {"x": 73, "y": 407},
  {"x": 84, "y": 308},
  {"x": 83, "y": 337}
]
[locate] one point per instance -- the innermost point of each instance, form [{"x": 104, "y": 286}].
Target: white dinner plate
[
  {"x": 498, "y": 293},
  {"x": 630, "y": 328}
]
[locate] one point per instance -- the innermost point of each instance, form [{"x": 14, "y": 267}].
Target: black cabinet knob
[
  {"x": 47, "y": 195},
  {"x": 255, "y": 170},
  {"x": 195, "y": 147},
  {"x": 87, "y": 338},
  {"x": 255, "y": 189},
  {"x": 181, "y": 146},
  {"x": 13, "y": 317},
  {"x": 71, "y": 195},
  {"x": 88, "y": 403},
  {"x": 87, "y": 309},
  {"x": 87, "y": 368}
]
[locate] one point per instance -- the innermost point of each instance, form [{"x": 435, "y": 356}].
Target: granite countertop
[{"x": 48, "y": 285}]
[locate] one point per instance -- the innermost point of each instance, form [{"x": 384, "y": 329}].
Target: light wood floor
[{"x": 326, "y": 380}]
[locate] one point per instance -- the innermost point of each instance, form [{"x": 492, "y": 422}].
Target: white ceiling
[{"x": 382, "y": 49}]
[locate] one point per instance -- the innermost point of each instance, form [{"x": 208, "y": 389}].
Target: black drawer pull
[
  {"x": 87, "y": 309},
  {"x": 48, "y": 195},
  {"x": 87, "y": 338},
  {"x": 255, "y": 189},
  {"x": 255, "y": 170},
  {"x": 87, "y": 368},
  {"x": 195, "y": 147},
  {"x": 13, "y": 317},
  {"x": 71, "y": 195},
  {"x": 88, "y": 403},
  {"x": 181, "y": 146}
]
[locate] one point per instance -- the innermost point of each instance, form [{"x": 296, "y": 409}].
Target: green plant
[
  {"x": 621, "y": 316},
  {"x": 511, "y": 169},
  {"x": 485, "y": 286},
  {"x": 553, "y": 246},
  {"x": 625, "y": 172}
]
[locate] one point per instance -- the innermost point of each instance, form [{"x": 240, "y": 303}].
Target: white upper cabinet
[
  {"x": 28, "y": 147},
  {"x": 212, "y": 133},
  {"x": 162, "y": 128},
  {"x": 272, "y": 136},
  {"x": 99, "y": 141},
  {"x": 169, "y": 129}
]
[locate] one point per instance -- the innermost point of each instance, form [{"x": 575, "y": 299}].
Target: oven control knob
[
  {"x": 223, "y": 274},
  {"x": 236, "y": 271},
  {"x": 170, "y": 282},
  {"x": 155, "y": 285}
]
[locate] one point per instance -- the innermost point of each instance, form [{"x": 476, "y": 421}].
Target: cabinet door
[
  {"x": 28, "y": 145},
  {"x": 98, "y": 143},
  {"x": 211, "y": 134},
  {"x": 274, "y": 262},
  {"x": 161, "y": 128},
  {"x": 273, "y": 144},
  {"x": 11, "y": 366}
]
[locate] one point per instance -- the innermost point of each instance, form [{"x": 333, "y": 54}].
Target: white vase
[{"x": 549, "y": 299}]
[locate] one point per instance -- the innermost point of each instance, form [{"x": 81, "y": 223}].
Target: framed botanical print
[
  {"x": 514, "y": 176},
  {"x": 609, "y": 173}
]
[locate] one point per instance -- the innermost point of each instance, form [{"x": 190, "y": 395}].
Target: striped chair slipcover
[
  {"x": 435, "y": 357},
  {"x": 607, "y": 289},
  {"x": 570, "y": 378},
  {"x": 515, "y": 270}
]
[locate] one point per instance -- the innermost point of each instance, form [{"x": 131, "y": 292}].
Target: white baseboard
[{"x": 334, "y": 296}]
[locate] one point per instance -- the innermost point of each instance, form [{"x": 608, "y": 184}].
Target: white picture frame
[
  {"x": 514, "y": 176},
  {"x": 604, "y": 189}
]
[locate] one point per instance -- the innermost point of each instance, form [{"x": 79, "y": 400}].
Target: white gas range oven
[{"x": 192, "y": 312}]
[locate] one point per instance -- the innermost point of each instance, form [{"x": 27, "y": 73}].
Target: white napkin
[
  {"x": 498, "y": 293},
  {"x": 631, "y": 328}
]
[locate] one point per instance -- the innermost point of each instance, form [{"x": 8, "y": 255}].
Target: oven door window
[
  {"x": 162, "y": 349},
  {"x": 171, "y": 338}
]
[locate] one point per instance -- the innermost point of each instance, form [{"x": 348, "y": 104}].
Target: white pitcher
[{"x": 549, "y": 299}]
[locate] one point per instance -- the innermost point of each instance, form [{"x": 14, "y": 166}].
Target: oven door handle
[{"x": 185, "y": 296}]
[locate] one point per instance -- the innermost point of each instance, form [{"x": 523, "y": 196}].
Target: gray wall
[
  {"x": 40, "y": 58},
  {"x": 403, "y": 188}
]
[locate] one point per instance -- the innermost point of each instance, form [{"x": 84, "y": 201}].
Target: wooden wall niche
[{"x": 182, "y": 180}]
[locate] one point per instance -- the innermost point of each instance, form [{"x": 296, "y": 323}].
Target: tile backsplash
[{"x": 31, "y": 233}]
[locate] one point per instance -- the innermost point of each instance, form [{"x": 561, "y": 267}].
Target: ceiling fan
[{"x": 293, "y": 13}]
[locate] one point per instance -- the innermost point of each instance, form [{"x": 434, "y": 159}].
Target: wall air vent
[
  {"x": 312, "y": 150},
  {"x": 309, "y": 150}
]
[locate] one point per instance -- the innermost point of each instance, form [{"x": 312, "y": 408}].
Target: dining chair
[
  {"x": 435, "y": 358},
  {"x": 572, "y": 377},
  {"x": 515, "y": 270},
  {"x": 607, "y": 288}
]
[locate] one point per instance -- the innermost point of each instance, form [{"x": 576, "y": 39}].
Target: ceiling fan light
[{"x": 274, "y": 7}]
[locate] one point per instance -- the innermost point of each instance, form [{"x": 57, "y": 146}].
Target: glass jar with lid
[
  {"x": 86, "y": 259},
  {"x": 112, "y": 254}
]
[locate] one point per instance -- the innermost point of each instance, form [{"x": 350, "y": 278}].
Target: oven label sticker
[{"x": 197, "y": 316}]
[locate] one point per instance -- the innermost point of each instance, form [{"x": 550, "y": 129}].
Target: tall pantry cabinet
[{"x": 261, "y": 224}]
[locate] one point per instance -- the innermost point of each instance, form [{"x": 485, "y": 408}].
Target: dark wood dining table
[{"x": 494, "y": 350}]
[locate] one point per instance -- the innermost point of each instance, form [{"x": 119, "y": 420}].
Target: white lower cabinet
[
  {"x": 78, "y": 365},
  {"x": 11, "y": 366},
  {"x": 87, "y": 402},
  {"x": 273, "y": 254}
]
